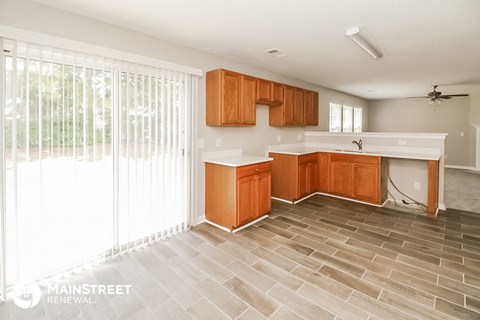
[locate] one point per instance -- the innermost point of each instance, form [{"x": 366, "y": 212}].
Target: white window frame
[{"x": 340, "y": 126}]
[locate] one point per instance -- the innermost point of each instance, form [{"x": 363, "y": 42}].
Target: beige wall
[
  {"x": 253, "y": 140},
  {"x": 416, "y": 115}
]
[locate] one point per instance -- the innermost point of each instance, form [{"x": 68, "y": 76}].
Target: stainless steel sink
[{"x": 355, "y": 151}]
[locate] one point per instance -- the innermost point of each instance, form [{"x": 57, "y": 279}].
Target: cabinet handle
[
  {"x": 349, "y": 165},
  {"x": 257, "y": 169},
  {"x": 356, "y": 166}
]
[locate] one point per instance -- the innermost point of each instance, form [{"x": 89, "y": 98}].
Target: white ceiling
[{"x": 425, "y": 41}]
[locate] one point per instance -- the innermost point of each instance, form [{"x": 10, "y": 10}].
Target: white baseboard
[
  {"x": 461, "y": 167},
  {"x": 283, "y": 200},
  {"x": 442, "y": 206}
]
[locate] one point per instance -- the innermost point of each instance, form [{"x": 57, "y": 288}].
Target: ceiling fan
[{"x": 436, "y": 97}]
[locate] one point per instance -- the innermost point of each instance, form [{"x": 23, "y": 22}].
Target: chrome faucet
[{"x": 358, "y": 143}]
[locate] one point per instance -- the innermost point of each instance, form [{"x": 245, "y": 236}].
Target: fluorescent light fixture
[{"x": 354, "y": 34}]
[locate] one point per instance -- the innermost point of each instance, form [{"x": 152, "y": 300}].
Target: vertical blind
[{"x": 96, "y": 158}]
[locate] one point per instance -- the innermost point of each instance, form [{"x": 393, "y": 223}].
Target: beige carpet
[{"x": 462, "y": 190}]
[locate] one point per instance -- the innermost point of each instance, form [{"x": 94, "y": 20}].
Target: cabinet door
[
  {"x": 277, "y": 93},
  {"x": 264, "y": 193},
  {"x": 298, "y": 107},
  {"x": 288, "y": 104},
  {"x": 230, "y": 97},
  {"x": 264, "y": 91},
  {"x": 341, "y": 178},
  {"x": 366, "y": 184},
  {"x": 310, "y": 104},
  {"x": 302, "y": 180},
  {"x": 323, "y": 168},
  {"x": 246, "y": 200},
  {"x": 311, "y": 177},
  {"x": 247, "y": 100}
]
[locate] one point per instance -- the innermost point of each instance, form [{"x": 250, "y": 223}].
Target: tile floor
[{"x": 321, "y": 259}]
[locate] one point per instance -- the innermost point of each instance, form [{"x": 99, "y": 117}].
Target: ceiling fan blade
[
  {"x": 444, "y": 97},
  {"x": 458, "y": 95},
  {"x": 417, "y": 97}
]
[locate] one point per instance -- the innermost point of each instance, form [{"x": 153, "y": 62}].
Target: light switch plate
[{"x": 219, "y": 142}]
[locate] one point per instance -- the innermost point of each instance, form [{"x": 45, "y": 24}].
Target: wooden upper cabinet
[
  {"x": 230, "y": 98},
  {"x": 264, "y": 91},
  {"x": 277, "y": 94},
  {"x": 247, "y": 100},
  {"x": 310, "y": 108},
  {"x": 298, "y": 107},
  {"x": 288, "y": 105}
]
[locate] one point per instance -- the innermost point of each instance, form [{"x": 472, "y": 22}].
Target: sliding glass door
[{"x": 96, "y": 158}]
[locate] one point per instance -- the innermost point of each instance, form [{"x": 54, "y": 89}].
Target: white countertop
[
  {"x": 237, "y": 160},
  {"x": 386, "y": 154}
]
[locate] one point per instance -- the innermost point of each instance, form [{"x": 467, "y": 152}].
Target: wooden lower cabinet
[
  {"x": 323, "y": 170},
  {"x": 293, "y": 176},
  {"x": 235, "y": 196},
  {"x": 357, "y": 176}
]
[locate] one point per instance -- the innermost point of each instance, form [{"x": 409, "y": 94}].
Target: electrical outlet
[
  {"x": 219, "y": 142},
  {"x": 462, "y": 134},
  {"x": 416, "y": 185},
  {"x": 279, "y": 138},
  {"x": 299, "y": 137}
]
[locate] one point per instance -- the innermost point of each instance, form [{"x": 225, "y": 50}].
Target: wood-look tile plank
[
  {"x": 298, "y": 304},
  {"x": 351, "y": 281},
  {"x": 299, "y": 258},
  {"x": 279, "y": 275},
  {"x": 315, "y": 245},
  {"x": 214, "y": 253},
  {"x": 275, "y": 259},
  {"x": 471, "y": 280},
  {"x": 295, "y": 246},
  {"x": 238, "y": 252},
  {"x": 254, "y": 297},
  {"x": 223, "y": 299},
  {"x": 433, "y": 252},
  {"x": 439, "y": 270},
  {"x": 375, "y": 307},
  {"x": 205, "y": 310},
  {"x": 251, "y": 275},
  {"x": 458, "y": 286},
  {"x": 324, "y": 282},
  {"x": 292, "y": 222},
  {"x": 331, "y": 303},
  {"x": 336, "y": 263},
  {"x": 211, "y": 268},
  {"x": 372, "y": 248},
  {"x": 455, "y": 310},
  {"x": 410, "y": 307},
  {"x": 284, "y": 313},
  {"x": 251, "y": 314},
  {"x": 260, "y": 241},
  {"x": 405, "y": 268},
  {"x": 176, "y": 286},
  {"x": 345, "y": 247},
  {"x": 461, "y": 268},
  {"x": 171, "y": 310},
  {"x": 472, "y": 303},
  {"x": 428, "y": 287},
  {"x": 400, "y": 289},
  {"x": 362, "y": 263}
]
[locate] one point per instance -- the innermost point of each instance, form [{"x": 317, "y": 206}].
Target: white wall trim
[
  {"x": 408, "y": 135},
  {"x": 199, "y": 220},
  {"x": 448, "y": 166},
  {"x": 63, "y": 43}
]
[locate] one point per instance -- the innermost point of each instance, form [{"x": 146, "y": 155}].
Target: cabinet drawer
[
  {"x": 354, "y": 158},
  {"x": 311, "y": 157},
  {"x": 252, "y": 169}
]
